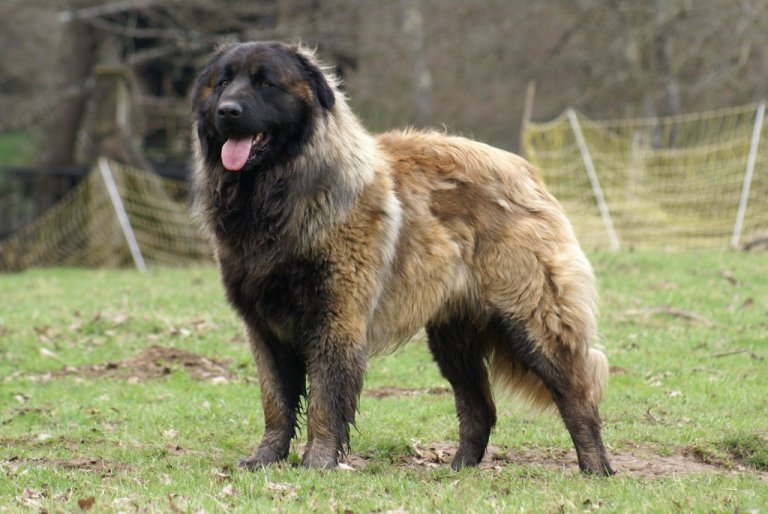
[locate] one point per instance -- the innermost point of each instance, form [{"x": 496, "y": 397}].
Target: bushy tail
[
  {"x": 511, "y": 378},
  {"x": 598, "y": 366}
]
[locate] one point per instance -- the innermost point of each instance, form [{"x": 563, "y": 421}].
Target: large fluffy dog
[{"x": 334, "y": 245}]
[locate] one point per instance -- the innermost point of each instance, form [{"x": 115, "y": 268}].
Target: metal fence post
[
  {"x": 596, "y": 189},
  {"x": 747, "y": 184},
  {"x": 122, "y": 217}
]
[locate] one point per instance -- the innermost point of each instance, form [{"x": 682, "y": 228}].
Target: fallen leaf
[
  {"x": 86, "y": 504},
  {"x": 119, "y": 319},
  {"x": 218, "y": 475},
  {"x": 277, "y": 486},
  {"x": 45, "y": 330},
  {"x": 125, "y": 502},
  {"x": 228, "y": 490},
  {"x": 172, "y": 505},
  {"x": 31, "y": 498},
  {"x": 730, "y": 277},
  {"x": 45, "y": 352}
]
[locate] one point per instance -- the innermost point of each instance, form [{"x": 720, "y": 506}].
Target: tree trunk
[
  {"x": 60, "y": 129},
  {"x": 413, "y": 36},
  {"x": 665, "y": 55}
]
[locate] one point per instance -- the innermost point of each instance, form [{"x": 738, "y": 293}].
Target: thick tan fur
[{"x": 479, "y": 228}]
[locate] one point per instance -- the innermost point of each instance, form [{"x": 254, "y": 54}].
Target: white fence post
[
  {"x": 122, "y": 217},
  {"x": 596, "y": 189},
  {"x": 747, "y": 184}
]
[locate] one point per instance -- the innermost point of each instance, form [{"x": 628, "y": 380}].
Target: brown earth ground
[
  {"x": 155, "y": 362},
  {"x": 639, "y": 461}
]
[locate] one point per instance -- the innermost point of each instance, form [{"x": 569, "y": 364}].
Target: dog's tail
[
  {"x": 511, "y": 378},
  {"x": 599, "y": 370}
]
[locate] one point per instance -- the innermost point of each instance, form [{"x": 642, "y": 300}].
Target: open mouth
[{"x": 239, "y": 151}]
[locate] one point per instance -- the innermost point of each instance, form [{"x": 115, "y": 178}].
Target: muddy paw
[
  {"x": 320, "y": 458},
  {"x": 260, "y": 458},
  {"x": 467, "y": 457}
]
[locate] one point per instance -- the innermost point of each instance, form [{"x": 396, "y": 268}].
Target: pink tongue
[{"x": 235, "y": 152}]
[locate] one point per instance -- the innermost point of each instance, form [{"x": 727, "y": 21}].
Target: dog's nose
[{"x": 230, "y": 109}]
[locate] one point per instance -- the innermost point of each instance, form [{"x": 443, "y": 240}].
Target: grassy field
[{"x": 122, "y": 392}]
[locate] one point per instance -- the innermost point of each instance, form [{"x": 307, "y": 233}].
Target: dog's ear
[{"x": 320, "y": 87}]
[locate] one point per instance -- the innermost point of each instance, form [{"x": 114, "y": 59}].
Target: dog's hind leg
[
  {"x": 459, "y": 350},
  {"x": 573, "y": 377},
  {"x": 543, "y": 316},
  {"x": 282, "y": 377}
]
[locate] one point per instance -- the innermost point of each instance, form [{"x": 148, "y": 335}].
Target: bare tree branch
[{"x": 110, "y": 8}]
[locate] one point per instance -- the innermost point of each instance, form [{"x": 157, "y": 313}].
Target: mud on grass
[
  {"x": 88, "y": 464},
  {"x": 636, "y": 462},
  {"x": 155, "y": 362}
]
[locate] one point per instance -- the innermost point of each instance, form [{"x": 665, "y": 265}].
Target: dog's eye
[
  {"x": 223, "y": 83},
  {"x": 263, "y": 83}
]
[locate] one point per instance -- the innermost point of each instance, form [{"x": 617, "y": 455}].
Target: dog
[{"x": 334, "y": 245}]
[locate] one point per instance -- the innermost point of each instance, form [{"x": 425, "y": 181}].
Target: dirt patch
[
  {"x": 156, "y": 362},
  {"x": 82, "y": 464},
  {"x": 95, "y": 465},
  {"x": 387, "y": 392},
  {"x": 636, "y": 462},
  {"x": 744, "y": 452}
]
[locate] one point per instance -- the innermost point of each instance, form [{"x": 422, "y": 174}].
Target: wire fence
[
  {"x": 679, "y": 183},
  {"x": 689, "y": 182},
  {"x": 116, "y": 216}
]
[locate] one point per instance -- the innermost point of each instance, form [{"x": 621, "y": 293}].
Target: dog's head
[{"x": 257, "y": 103}]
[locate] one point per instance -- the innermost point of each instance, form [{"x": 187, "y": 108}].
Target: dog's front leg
[
  {"x": 335, "y": 365},
  {"x": 282, "y": 376}
]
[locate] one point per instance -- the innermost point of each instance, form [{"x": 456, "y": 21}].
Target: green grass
[
  {"x": 17, "y": 149},
  {"x": 687, "y": 336}
]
